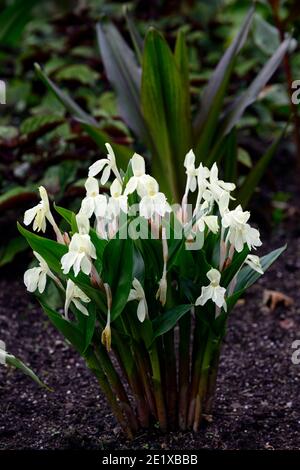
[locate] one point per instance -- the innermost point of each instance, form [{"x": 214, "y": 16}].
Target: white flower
[
  {"x": 217, "y": 186},
  {"x": 107, "y": 165},
  {"x": 202, "y": 182},
  {"x": 213, "y": 291},
  {"x": 39, "y": 213},
  {"x": 117, "y": 201},
  {"x": 191, "y": 172},
  {"x": 137, "y": 181},
  {"x": 210, "y": 220},
  {"x": 81, "y": 250},
  {"x": 93, "y": 203},
  {"x": 137, "y": 293},
  {"x": 254, "y": 262},
  {"x": 83, "y": 223},
  {"x": 154, "y": 202},
  {"x": 239, "y": 231},
  {"x": 75, "y": 295},
  {"x": 35, "y": 278},
  {"x": 3, "y": 353}
]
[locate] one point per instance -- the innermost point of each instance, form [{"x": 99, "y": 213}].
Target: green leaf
[
  {"x": 13, "y": 20},
  {"x": 8, "y": 252},
  {"x": 265, "y": 36},
  {"x": 50, "y": 250},
  {"x": 80, "y": 72},
  {"x": 237, "y": 261},
  {"x": 35, "y": 123},
  {"x": 65, "y": 213},
  {"x": 125, "y": 76},
  {"x": 64, "y": 98},
  {"x": 253, "y": 179},
  {"x": 250, "y": 95},
  {"x": 248, "y": 276},
  {"x": 166, "y": 112},
  {"x": 167, "y": 320},
  {"x": 69, "y": 330},
  {"x": 213, "y": 97},
  {"x": 15, "y": 362},
  {"x": 117, "y": 272},
  {"x": 136, "y": 39},
  {"x": 182, "y": 62}
]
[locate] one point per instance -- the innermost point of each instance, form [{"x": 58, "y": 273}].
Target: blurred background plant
[{"x": 40, "y": 143}]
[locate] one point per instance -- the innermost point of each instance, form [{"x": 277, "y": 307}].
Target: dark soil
[{"x": 257, "y": 403}]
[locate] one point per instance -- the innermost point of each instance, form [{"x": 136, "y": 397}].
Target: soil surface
[{"x": 257, "y": 403}]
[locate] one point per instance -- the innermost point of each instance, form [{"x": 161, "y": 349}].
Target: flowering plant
[{"x": 148, "y": 286}]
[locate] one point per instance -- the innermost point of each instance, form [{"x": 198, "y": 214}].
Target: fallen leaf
[
  {"x": 272, "y": 298},
  {"x": 287, "y": 324}
]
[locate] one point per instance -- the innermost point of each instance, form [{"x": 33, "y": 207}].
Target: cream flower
[
  {"x": 154, "y": 202},
  {"x": 191, "y": 172},
  {"x": 213, "y": 291},
  {"x": 83, "y": 223},
  {"x": 138, "y": 293},
  {"x": 3, "y": 353},
  {"x": 81, "y": 250},
  {"x": 217, "y": 186},
  {"x": 93, "y": 203},
  {"x": 254, "y": 262},
  {"x": 75, "y": 295},
  {"x": 239, "y": 231},
  {"x": 117, "y": 202},
  {"x": 137, "y": 181},
  {"x": 36, "y": 278},
  {"x": 211, "y": 221},
  {"x": 107, "y": 165}
]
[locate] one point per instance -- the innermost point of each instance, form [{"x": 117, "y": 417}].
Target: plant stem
[
  {"x": 116, "y": 385},
  {"x": 212, "y": 381},
  {"x": 171, "y": 378},
  {"x": 198, "y": 351},
  {"x": 184, "y": 369},
  {"x": 128, "y": 364},
  {"x": 95, "y": 366},
  {"x": 157, "y": 386}
]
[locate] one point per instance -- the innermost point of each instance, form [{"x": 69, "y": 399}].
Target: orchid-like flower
[
  {"x": 154, "y": 202},
  {"x": 239, "y": 231},
  {"x": 211, "y": 221},
  {"x": 107, "y": 165},
  {"x": 161, "y": 293},
  {"x": 254, "y": 262},
  {"x": 202, "y": 183},
  {"x": 36, "y": 278},
  {"x": 83, "y": 223},
  {"x": 117, "y": 202},
  {"x": 75, "y": 295},
  {"x": 93, "y": 203},
  {"x": 40, "y": 213},
  {"x": 137, "y": 181},
  {"x": 81, "y": 250},
  {"x": 217, "y": 186},
  {"x": 213, "y": 291},
  {"x": 138, "y": 293},
  {"x": 191, "y": 172}
]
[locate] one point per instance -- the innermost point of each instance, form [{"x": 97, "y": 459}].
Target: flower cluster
[{"x": 211, "y": 213}]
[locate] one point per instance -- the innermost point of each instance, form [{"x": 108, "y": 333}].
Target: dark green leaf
[{"x": 167, "y": 320}]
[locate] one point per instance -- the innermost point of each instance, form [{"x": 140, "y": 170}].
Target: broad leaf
[
  {"x": 166, "y": 112},
  {"x": 117, "y": 272},
  {"x": 167, "y": 320},
  {"x": 124, "y": 74},
  {"x": 15, "y": 362},
  {"x": 213, "y": 96}
]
